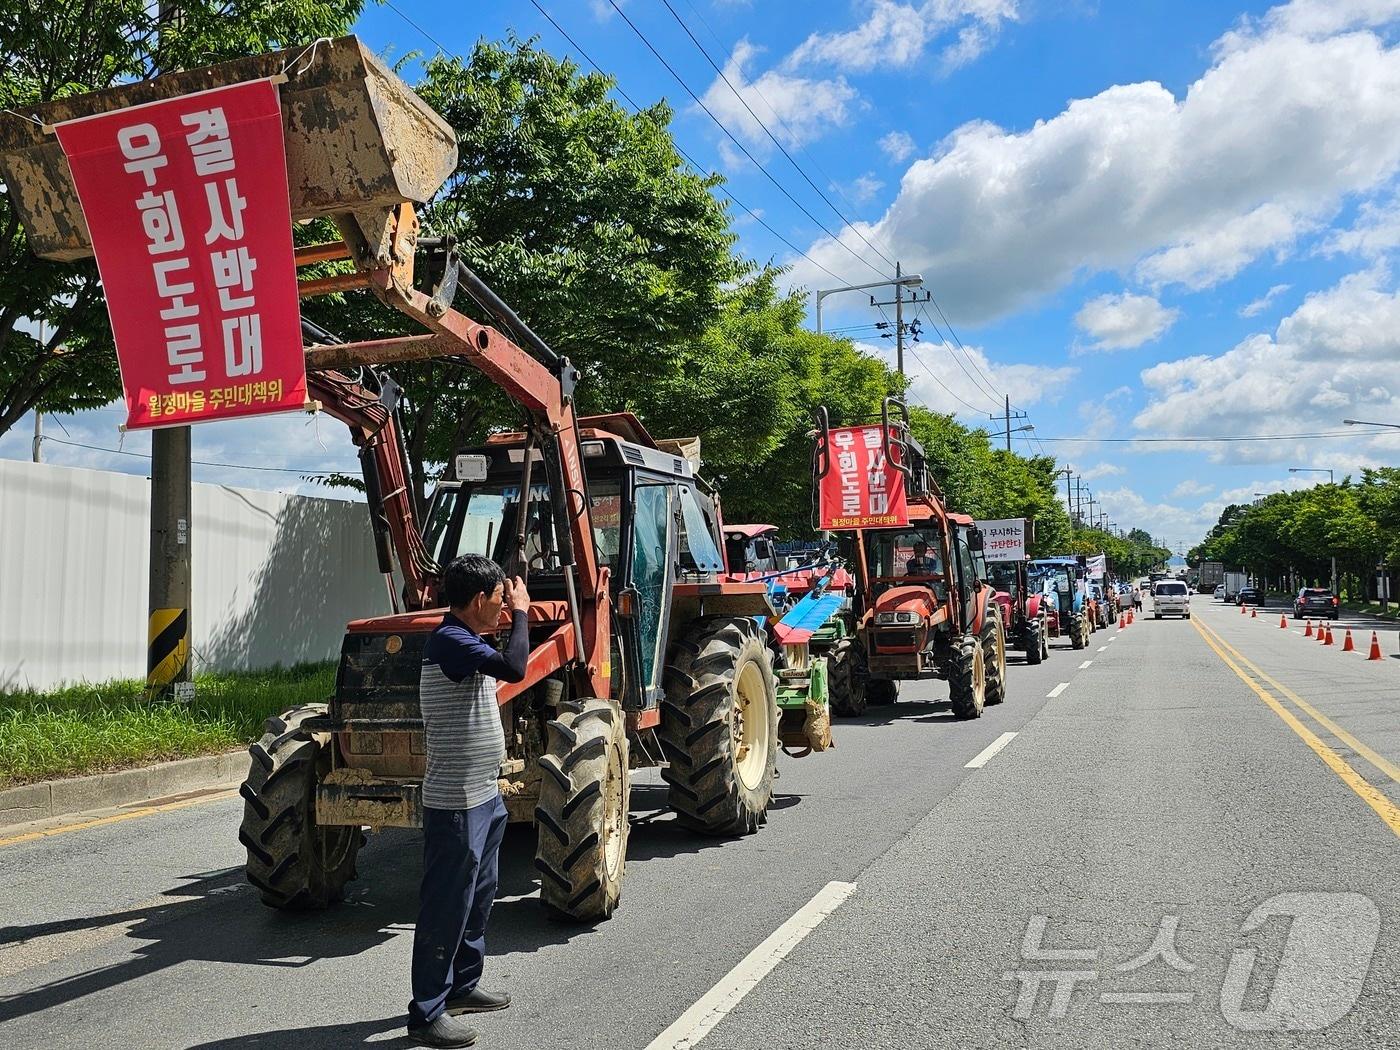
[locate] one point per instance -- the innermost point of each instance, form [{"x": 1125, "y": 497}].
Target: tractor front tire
[
  {"x": 967, "y": 678},
  {"x": 1078, "y": 633},
  {"x": 994, "y": 657},
  {"x": 294, "y": 863},
  {"x": 1033, "y": 641},
  {"x": 581, "y": 849},
  {"x": 719, "y": 727},
  {"x": 846, "y": 688}
]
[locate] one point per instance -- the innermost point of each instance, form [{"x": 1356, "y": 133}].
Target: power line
[
  {"x": 957, "y": 360},
  {"x": 773, "y": 138},
  {"x": 440, "y": 46},
  {"x": 699, "y": 168},
  {"x": 198, "y": 462},
  {"x": 742, "y": 148},
  {"x": 1204, "y": 439}
]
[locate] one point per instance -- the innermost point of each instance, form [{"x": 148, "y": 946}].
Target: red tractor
[
  {"x": 642, "y": 651},
  {"x": 1025, "y": 613},
  {"x": 922, "y": 607}
]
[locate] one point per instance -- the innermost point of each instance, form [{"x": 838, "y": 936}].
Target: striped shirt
[{"x": 461, "y": 719}]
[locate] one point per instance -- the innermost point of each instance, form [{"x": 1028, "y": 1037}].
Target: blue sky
[{"x": 1145, "y": 220}]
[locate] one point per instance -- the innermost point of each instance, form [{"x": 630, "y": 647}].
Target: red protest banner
[
  {"x": 862, "y": 489},
  {"x": 186, "y": 204}
]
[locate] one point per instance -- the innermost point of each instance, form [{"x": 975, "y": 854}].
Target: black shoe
[
  {"x": 443, "y": 1031},
  {"x": 478, "y": 1001}
]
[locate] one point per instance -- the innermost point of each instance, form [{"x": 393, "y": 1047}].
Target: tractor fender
[{"x": 1033, "y": 606}]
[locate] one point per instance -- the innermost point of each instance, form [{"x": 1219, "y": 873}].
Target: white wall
[{"x": 276, "y": 576}]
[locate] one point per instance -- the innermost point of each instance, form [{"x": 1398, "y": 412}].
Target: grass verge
[{"x": 85, "y": 729}]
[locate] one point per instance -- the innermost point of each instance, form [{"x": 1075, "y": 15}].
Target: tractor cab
[
  {"x": 749, "y": 549},
  {"x": 1064, "y": 581}
]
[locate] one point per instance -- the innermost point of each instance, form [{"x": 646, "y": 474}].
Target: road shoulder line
[
  {"x": 985, "y": 755},
  {"x": 1387, "y": 810}
]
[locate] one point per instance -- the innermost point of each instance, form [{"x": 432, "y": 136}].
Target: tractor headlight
[{"x": 894, "y": 617}]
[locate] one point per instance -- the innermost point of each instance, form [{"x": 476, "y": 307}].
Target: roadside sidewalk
[{"x": 48, "y": 799}]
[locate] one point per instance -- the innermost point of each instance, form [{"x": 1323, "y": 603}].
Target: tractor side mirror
[{"x": 975, "y": 540}]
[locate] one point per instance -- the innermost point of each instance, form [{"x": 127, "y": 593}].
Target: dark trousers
[{"x": 461, "y": 850}]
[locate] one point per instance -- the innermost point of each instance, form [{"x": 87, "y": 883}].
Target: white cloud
[
  {"x": 898, "y": 146},
  {"x": 1332, "y": 358},
  {"x": 1188, "y": 488},
  {"x": 1285, "y": 125},
  {"x": 1101, "y": 470},
  {"x": 942, "y": 383},
  {"x": 1121, "y": 322},
  {"x": 895, "y": 35},
  {"x": 1375, "y": 232},
  {"x": 795, "y": 109},
  {"x": 1258, "y": 306},
  {"x": 865, "y": 187}
]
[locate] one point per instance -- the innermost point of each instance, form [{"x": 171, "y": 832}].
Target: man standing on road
[{"x": 464, "y": 817}]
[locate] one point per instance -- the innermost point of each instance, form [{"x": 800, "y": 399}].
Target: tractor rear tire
[
  {"x": 1033, "y": 641},
  {"x": 881, "y": 691},
  {"x": 581, "y": 849},
  {"x": 846, "y": 689},
  {"x": 719, "y": 727},
  {"x": 994, "y": 656},
  {"x": 294, "y": 863},
  {"x": 967, "y": 678}
]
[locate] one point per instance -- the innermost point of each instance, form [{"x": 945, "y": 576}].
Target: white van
[{"x": 1171, "y": 598}]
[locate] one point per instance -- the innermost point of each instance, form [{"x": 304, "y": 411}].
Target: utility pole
[
  {"x": 168, "y": 615},
  {"x": 38, "y": 416},
  {"x": 1008, "y": 416},
  {"x": 898, "y": 303}
]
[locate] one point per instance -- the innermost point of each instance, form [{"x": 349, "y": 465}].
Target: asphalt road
[{"x": 1161, "y": 796}]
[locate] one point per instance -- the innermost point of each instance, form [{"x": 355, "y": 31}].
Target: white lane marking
[
  {"x": 711, "y": 1008},
  {"x": 1114, "y": 638},
  {"x": 1085, "y": 664},
  {"x": 985, "y": 755},
  {"x": 1057, "y": 690},
  {"x": 1103, "y": 648}
]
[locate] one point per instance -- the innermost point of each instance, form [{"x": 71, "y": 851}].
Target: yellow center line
[
  {"x": 116, "y": 818},
  {"x": 1376, "y": 759},
  {"x": 1387, "y": 810}
]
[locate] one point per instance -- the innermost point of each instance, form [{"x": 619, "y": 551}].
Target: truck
[
  {"x": 1234, "y": 583},
  {"x": 642, "y": 652},
  {"x": 1209, "y": 576}
]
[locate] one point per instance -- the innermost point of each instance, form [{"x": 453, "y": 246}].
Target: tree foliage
[{"x": 1300, "y": 532}]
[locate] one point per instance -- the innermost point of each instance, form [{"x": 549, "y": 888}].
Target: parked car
[
  {"x": 1316, "y": 601},
  {"x": 1171, "y": 598},
  {"x": 1219, "y": 594},
  {"x": 1250, "y": 596}
]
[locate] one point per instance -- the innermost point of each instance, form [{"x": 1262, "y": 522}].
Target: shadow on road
[
  {"x": 217, "y": 917},
  {"x": 367, "y": 1033},
  {"x": 887, "y": 714}
]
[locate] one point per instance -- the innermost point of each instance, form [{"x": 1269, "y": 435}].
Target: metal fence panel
[{"x": 276, "y": 575}]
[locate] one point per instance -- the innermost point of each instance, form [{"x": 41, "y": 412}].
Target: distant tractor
[
  {"x": 921, "y": 608},
  {"x": 1023, "y": 612},
  {"x": 1065, "y": 580}
]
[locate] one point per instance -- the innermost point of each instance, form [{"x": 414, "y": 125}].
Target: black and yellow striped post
[{"x": 167, "y": 648}]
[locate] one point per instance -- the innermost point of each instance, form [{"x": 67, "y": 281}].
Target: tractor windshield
[
  {"x": 900, "y": 554},
  {"x": 483, "y": 519},
  {"x": 1002, "y": 575}
]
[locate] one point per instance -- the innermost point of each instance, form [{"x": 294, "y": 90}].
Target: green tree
[
  {"x": 59, "y": 48},
  {"x": 583, "y": 217}
]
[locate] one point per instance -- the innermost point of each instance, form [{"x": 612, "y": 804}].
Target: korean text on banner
[
  {"x": 1097, "y": 566},
  {"x": 1004, "y": 539},
  {"x": 186, "y": 203},
  {"x": 862, "y": 490}
]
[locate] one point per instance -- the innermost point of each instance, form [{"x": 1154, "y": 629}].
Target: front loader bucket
[{"x": 358, "y": 140}]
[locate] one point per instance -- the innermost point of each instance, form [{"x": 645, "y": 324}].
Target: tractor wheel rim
[
  {"x": 979, "y": 675},
  {"x": 614, "y": 816},
  {"x": 750, "y": 725}
]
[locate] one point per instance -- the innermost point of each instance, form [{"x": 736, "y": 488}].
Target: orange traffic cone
[
  {"x": 1283, "y": 621},
  {"x": 1375, "y": 648},
  {"x": 1307, "y": 631},
  {"x": 1322, "y": 634},
  {"x": 1347, "y": 645},
  {"x": 1329, "y": 637},
  {"x": 1254, "y": 614},
  {"x": 1243, "y": 610}
]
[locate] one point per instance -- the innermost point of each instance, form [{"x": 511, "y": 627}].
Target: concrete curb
[{"x": 54, "y": 798}]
